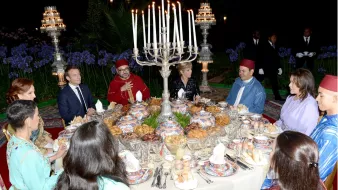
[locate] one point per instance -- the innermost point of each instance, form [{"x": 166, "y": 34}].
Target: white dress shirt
[{"x": 240, "y": 92}]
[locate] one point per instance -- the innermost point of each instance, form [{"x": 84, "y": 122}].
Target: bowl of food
[
  {"x": 223, "y": 104},
  {"x": 261, "y": 139},
  {"x": 174, "y": 142},
  {"x": 256, "y": 117}
]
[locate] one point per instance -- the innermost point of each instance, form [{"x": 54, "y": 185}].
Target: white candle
[
  {"x": 180, "y": 19},
  {"x": 176, "y": 28},
  {"x": 135, "y": 29},
  {"x": 189, "y": 21},
  {"x": 168, "y": 23},
  {"x": 163, "y": 16},
  {"x": 154, "y": 27},
  {"x": 148, "y": 24},
  {"x": 144, "y": 30},
  {"x": 133, "y": 23},
  {"x": 193, "y": 28},
  {"x": 159, "y": 25}
]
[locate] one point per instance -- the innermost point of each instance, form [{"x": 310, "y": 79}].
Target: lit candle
[
  {"x": 154, "y": 28},
  {"x": 193, "y": 28},
  {"x": 148, "y": 24},
  {"x": 168, "y": 23},
  {"x": 189, "y": 28},
  {"x": 163, "y": 16},
  {"x": 133, "y": 23},
  {"x": 180, "y": 19},
  {"x": 159, "y": 25},
  {"x": 176, "y": 28},
  {"x": 144, "y": 30},
  {"x": 135, "y": 43}
]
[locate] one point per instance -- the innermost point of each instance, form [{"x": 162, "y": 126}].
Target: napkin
[
  {"x": 180, "y": 93},
  {"x": 139, "y": 96},
  {"x": 99, "y": 106},
  {"x": 132, "y": 164},
  {"x": 218, "y": 154}
]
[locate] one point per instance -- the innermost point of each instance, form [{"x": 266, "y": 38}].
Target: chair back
[{"x": 329, "y": 180}]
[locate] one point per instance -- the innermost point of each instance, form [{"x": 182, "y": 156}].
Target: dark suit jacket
[
  {"x": 301, "y": 46},
  {"x": 70, "y": 105},
  {"x": 270, "y": 59},
  {"x": 253, "y": 52}
]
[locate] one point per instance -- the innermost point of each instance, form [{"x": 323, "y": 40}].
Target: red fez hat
[
  {"x": 247, "y": 63},
  {"x": 329, "y": 82},
  {"x": 120, "y": 63}
]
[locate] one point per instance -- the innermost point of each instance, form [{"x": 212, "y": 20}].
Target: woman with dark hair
[
  {"x": 28, "y": 168},
  {"x": 300, "y": 111},
  {"x": 294, "y": 160},
  {"x": 92, "y": 161},
  {"x": 188, "y": 84},
  {"x": 23, "y": 89}
]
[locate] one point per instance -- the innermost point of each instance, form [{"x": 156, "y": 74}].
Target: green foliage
[
  {"x": 152, "y": 120},
  {"x": 182, "y": 119}
]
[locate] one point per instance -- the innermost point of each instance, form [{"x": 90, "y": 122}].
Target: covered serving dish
[
  {"x": 139, "y": 111},
  {"x": 168, "y": 128},
  {"x": 127, "y": 123},
  {"x": 179, "y": 106},
  {"x": 205, "y": 119}
]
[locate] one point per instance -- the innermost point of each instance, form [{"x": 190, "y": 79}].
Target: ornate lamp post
[
  {"x": 53, "y": 25},
  {"x": 205, "y": 19},
  {"x": 160, "y": 50}
]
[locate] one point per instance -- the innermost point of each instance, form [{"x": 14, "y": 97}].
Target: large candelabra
[
  {"x": 205, "y": 19},
  {"x": 53, "y": 25},
  {"x": 160, "y": 51}
]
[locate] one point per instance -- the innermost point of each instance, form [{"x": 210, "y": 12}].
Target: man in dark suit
[
  {"x": 252, "y": 51},
  {"x": 75, "y": 98},
  {"x": 305, "y": 50},
  {"x": 271, "y": 66}
]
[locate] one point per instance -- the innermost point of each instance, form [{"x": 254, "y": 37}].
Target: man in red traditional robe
[{"x": 125, "y": 85}]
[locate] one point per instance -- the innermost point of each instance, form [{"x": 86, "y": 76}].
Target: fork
[
  {"x": 205, "y": 176},
  {"x": 165, "y": 180},
  {"x": 206, "y": 180}
]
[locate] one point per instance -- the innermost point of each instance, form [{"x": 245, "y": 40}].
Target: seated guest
[
  {"x": 92, "y": 161},
  {"x": 247, "y": 90},
  {"x": 28, "y": 168},
  {"x": 300, "y": 111},
  {"x": 188, "y": 84},
  {"x": 326, "y": 132},
  {"x": 294, "y": 160},
  {"x": 75, "y": 99},
  {"x": 125, "y": 85},
  {"x": 23, "y": 89}
]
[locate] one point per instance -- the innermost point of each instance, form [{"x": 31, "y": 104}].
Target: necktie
[
  {"x": 307, "y": 40},
  {"x": 82, "y": 100}
]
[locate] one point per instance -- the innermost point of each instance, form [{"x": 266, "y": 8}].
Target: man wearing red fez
[
  {"x": 247, "y": 90},
  {"x": 125, "y": 85},
  {"x": 326, "y": 132}
]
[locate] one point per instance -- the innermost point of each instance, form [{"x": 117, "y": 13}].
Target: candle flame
[
  {"x": 178, "y": 2},
  {"x": 159, "y": 7},
  {"x": 132, "y": 10},
  {"x": 173, "y": 5},
  {"x": 142, "y": 12},
  {"x": 148, "y": 6},
  {"x": 153, "y": 2},
  {"x": 136, "y": 11}
]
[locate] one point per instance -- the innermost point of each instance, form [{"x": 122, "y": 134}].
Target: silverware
[
  {"x": 164, "y": 186},
  {"x": 171, "y": 175},
  {"x": 206, "y": 180},
  {"x": 240, "y": 164},
  {"x": 206, "y": 177},
  {"x": 158, "y": 184},
  {"x": 155, "y": 175}
]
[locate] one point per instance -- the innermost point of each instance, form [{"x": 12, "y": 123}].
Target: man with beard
[{"x": 125, "y": 85}]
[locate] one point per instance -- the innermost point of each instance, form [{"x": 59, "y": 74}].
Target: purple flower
[
  {"x": 321, "y": 70},
  {"x": 13, "y": 75},
  {"x": 88, "y": 58},
  {"x": 240, "y": 46},
  {"x": 284, "y": 52},
  {"x": 233, "y": 57},
  {"x": 3, "y": 51},
  {"x": 113, "y": 70},
  {"x": 229, "y": 51},
  {"x": 292, "y": 60}
]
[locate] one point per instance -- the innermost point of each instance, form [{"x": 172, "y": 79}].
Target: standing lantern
[
  {"x": 53, "y": 25},
  {"x": 205, "y": 19},
  {"x": 165, "y": 48}
]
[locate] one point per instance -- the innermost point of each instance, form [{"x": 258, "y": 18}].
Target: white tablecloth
[{"x": 242, "y": 180}]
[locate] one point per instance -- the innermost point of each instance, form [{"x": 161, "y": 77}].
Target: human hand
[
  {"x": 61, "y": 151},
  {"x": 127, "y": 86},
  {"x": 299, "y": 55},
  {"x": 280, "y": 71},
  {"x": 311, "y": 54},
  {"x": 90, "y": 111},
  {"x": 261, "y": 71}
]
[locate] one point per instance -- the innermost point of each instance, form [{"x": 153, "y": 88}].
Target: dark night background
[{"x": 287, "y": 18}]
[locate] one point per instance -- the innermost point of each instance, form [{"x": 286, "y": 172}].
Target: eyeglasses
[{"x": 123, "y": 70}]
